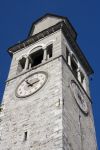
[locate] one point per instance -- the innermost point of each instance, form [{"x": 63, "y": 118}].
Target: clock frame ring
[
  {"x": 79, "y": 97},
  {"x": 27, "y": 77}
]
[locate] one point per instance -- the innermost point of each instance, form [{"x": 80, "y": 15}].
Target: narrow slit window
[
  {"x": 36, "y": 58},
  {"x": 25, "y": 136},
  {"x": 1, "y": 108},
  {"x": 49, "y": 51}
]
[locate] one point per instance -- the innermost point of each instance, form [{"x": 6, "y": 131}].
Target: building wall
[
  {"x": 40, "y": 114},
  {"x": 78, "y": 128},
  {"x": 50, "y": 116}
]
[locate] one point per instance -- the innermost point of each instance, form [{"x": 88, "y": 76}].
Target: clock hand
[
  {"x": 29, "y": 84},
  {"x": 35, "y": 81}
]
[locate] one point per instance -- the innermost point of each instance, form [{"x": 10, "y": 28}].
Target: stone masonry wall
[
  {"x": 78, "y": 128},
  {"x": 40, "y": 115},
  {"x": 50, "y": 117}
]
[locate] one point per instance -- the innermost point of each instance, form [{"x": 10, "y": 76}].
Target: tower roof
[{"x": 49, "y": 20}]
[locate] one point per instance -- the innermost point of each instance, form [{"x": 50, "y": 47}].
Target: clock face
[
  {"x": 79, "y": 97},
  {"x": 31, "y": 84}
]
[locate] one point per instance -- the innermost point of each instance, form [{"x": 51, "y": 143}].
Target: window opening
[
  {"x": 1, "y": 108},
  {"x": 21, "y": 64},
  {"x": 36, "y": 58},
  {"x": 82, "y": 77},
  {"x": 67, "y": 55},
  {"x": 49, "y": 51},
  {"x": 30, "y": 63},
  {"x": 74, "y": 65},
  {"x": 25, "y": 136}
]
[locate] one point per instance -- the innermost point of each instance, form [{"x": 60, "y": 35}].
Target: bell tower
[{"x": 46, "y": 103}]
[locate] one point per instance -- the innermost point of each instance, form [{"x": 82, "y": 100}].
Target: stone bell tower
[{"x": 46, "y": 103}]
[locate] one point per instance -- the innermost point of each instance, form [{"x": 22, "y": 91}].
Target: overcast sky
[{"x": 16, "y": 17}]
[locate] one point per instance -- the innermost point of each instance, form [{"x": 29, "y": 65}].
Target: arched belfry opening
[{"x": 36, "y": 57}]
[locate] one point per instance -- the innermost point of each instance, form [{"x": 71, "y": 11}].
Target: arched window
[
  {"x": 49, "y": 51},
  {"x": 36, "y": 57},
  {"x": 21, "y": 65}
]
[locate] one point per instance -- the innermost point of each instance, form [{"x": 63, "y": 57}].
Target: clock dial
[
  {"x": 79, "y": 97},
  {"x": 31, "y": 84}
]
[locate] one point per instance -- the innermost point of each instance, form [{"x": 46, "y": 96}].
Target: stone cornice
[{"x": 35, "y": 38}]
